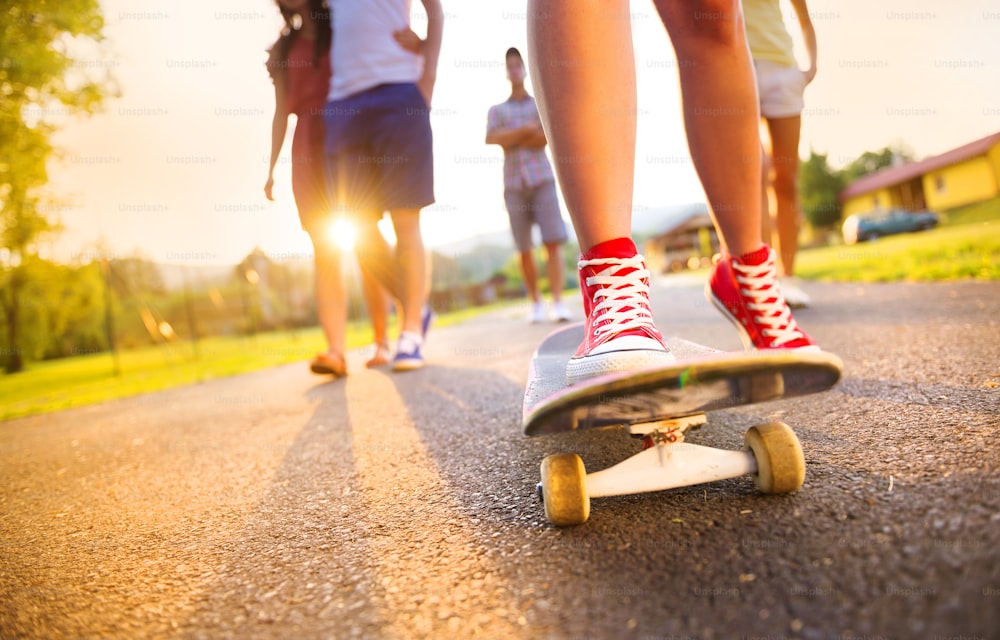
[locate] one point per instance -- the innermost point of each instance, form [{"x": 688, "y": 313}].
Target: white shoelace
[
  {"x": 622, "y": 302},
  {"x": 762, "y": 287},
  {"x": 409, "y": 343}
]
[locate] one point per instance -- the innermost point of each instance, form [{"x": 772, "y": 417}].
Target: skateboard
[{"x": 661, "y": 405}]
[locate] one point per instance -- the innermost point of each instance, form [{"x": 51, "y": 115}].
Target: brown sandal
[
  {"x": 381, "y": 357},
  {"x": 329, "y": 364}
]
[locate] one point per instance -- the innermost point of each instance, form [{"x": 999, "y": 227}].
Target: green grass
[
  {"x": 966, "y": 245},
  {"x": 83, "y": 380}
]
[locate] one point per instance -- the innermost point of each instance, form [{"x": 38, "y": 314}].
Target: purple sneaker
[
  {"x": 426, "y": 317},
  {"x": 408, "y": 355}
]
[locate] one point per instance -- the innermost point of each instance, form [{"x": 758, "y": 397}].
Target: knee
[
  {"x": 367, "y": 236},
  {"x": 785, "y": 179},
  {"x": 323, "y": 248},
  {"x": 703, "y": 23},
  {"x": 406, "y": 224}
]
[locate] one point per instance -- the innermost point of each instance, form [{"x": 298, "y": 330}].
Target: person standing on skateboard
[
  {"x": 582, "y": 59},
  {"x": 529, "y": 187}
]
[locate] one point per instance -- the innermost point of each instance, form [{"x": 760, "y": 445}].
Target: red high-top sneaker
[
  {"x": 747, "y": 292},
  {"x": 620, "y": 334}
]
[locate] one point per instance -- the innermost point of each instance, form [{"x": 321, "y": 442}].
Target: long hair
[{"x": 319, "y": 12}]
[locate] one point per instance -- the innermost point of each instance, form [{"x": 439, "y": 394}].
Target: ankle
[
  {"x": 757, "y": 257},
  {"x": 616, "y": 248},
  {"x": 412, "y": 336}
]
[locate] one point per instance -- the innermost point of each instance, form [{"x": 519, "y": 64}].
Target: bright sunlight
[{"x": 342, "y": 234}]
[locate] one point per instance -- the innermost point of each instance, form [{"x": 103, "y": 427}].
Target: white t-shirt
[{"x": 364, "y": 53}]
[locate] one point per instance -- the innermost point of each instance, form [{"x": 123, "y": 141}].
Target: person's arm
[
  {"x": 431, "y": 47},
  {"x": 808, "y": 35},
  {"x": 510, "y": 138},
  {"x": 535, "y": 138},
  {"x": 279, "y": 126},
  {"x": 497, "y": 131}
]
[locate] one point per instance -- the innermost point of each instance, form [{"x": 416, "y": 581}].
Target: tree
[
  {"x": 819, "y": 186},
  {"x": 41, "y": 78},
  {"x": 872, "y": 161},
  {"x": 136, "y": 275}
]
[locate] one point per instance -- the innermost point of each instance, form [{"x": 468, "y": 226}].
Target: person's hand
[
  {"x": 809, "y": 73},
  {"x": 426, "y": 86},
  {"x": 269, "y": 187},
  {"x": 409, "y": 40}
]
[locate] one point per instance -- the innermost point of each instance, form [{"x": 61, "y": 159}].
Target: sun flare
[{"x": 342, "y": 234}]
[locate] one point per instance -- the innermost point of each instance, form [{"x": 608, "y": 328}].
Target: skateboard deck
[
  {"x": 700, "y": 380},
  {"x": 660, "y": 405}
]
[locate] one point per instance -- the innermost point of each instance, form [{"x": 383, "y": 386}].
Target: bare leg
[
  {"x": 555, "y": 269},
  {"x": 377, "y": 259},
  {"x": 765, "y": 203},
  {"x": 784, "y": 134},
  {"x": 720, "y": 112},
  {"x": 411, "y": 268},
  {"x": 581, "y": 58},
  {"x": 331, "y": 296},
  {"x": 377, "y": 301},
  {"x": 530, "y": 273}
]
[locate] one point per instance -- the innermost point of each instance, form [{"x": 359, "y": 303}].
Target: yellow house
[{"x": 970, "y": 173}]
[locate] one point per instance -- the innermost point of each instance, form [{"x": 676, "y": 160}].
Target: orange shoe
[
  {"x": 381, "y": 357},
  {"x": 332, "y": 364}
]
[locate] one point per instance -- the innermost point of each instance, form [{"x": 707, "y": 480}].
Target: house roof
[
  {"x": 891, "y": 176},
  {"x": 688, "y": 222}
]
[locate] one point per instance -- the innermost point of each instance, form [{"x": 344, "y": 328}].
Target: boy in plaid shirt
[{"x": 529, "y": 187}]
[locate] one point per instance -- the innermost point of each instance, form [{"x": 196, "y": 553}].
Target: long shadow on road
[{"x": 300, "y": 564}]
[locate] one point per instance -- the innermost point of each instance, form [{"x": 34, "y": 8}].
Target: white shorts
[{"x": 780, "y": 88}]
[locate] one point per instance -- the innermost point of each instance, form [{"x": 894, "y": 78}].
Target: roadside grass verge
[
  {"x": 92, "y": 378},
  {"x": 966, "y": 245}
]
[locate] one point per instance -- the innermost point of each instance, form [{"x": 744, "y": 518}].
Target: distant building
[
  {"x": 688, "y": 243},
  {"x": 968, "y": 174}
]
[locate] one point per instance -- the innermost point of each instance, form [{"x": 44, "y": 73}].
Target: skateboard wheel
[
  {"x": 781, "y": 467},
  {"x": 564, "y": 490}
]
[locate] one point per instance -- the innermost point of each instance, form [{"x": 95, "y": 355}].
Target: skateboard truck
[
  {"x": 666, "y": 431},
  {"x": 772, "y": 454}
]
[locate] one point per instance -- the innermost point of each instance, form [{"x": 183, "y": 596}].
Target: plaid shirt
[{"x": 523, "y": 168}]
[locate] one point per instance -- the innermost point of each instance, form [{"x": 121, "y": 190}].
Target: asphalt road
[{"x": 282, "y": 505}]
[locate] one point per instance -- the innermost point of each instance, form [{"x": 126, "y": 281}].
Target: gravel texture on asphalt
[{"x": 280, "y": 504}]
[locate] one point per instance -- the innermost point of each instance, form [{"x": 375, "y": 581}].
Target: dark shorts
[{"x": 379, "y": 150}]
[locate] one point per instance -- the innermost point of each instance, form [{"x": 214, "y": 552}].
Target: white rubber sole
[{"x": 596, "y": 364}]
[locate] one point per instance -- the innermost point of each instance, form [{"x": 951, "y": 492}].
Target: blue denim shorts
[{"x": 379, "y": 150}]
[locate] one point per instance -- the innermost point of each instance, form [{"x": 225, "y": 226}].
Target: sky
[{"x": 174, "y": 168}]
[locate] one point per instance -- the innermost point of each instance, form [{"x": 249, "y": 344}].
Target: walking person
[
  {"x": 299, "y": 66},
  {"x": 379, "y": 145},
  {"x": 529, "y": 188}
]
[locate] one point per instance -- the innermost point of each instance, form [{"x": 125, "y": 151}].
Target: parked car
[{"x": 868, "y": 226}]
